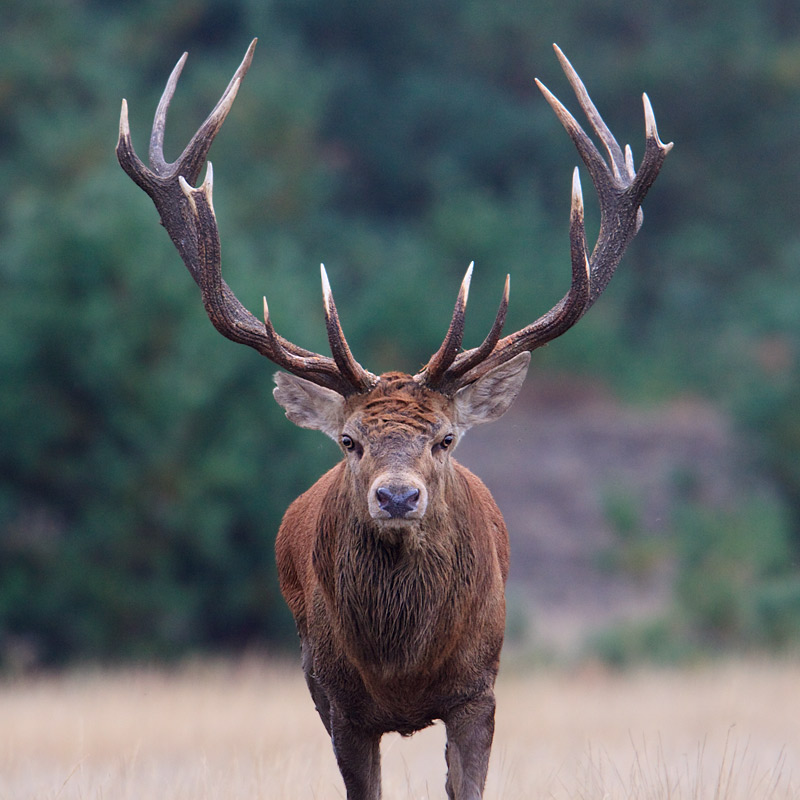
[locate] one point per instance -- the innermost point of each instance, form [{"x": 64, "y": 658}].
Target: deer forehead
[{"x": 398, "y": 408}]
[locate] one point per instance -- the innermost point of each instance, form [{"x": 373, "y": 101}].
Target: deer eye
[
  {"x": 348, "y": 443},
  {"x": 447, "y": 441}
]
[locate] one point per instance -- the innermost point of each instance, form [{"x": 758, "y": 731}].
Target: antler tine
[
  {"x": 194, "y": 154},
  {"x": 620, "y": 190},
  {"x": 188, "y": 216},
  {"x": 561, "y": 317},
  {"x": 471, "y": 358},
  {"x": 581, "y": 269},
  {"x": 587, "y": 150},
  {"x": 650, "y": 127},
  {"x": 350, "y": 369},
  {"x": 156, "y": 153},
  {"x": 654, "y": 153},
  {"x": 608, "y": 139},
  {"x": 446, "y": 354}
]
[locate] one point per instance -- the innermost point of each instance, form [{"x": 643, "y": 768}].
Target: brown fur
[{"x": 401, "y": 623}]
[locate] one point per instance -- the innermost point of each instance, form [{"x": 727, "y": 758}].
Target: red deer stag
[{"x": 394, "y": 562}]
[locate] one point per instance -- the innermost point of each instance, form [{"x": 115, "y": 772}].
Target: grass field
[{"x": 247, "y": 730}]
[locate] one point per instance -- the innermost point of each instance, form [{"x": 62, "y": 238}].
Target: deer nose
[{"x": 397, "y": 501}]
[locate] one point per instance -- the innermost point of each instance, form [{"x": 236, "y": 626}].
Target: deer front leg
[
  {"x": 470, "y": 730},
  {"x": 358, "y": 754},
  {"x": 320, "y": 697}
]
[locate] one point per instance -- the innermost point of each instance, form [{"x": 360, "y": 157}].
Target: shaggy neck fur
[{"x": 398, "y": 593}]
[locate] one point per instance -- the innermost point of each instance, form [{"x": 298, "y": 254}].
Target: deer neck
[{"x": 395, "y": 592}]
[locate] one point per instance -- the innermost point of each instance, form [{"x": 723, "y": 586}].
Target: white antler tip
[
  {"x": 551, "y": 98},
  {"x": 326, "y": 288},
  {"x": 248, "y": 56},
  {"x": 124, "y": 127},
  {"x": 266, "y": 312},
  {"x": 466, "y": 282},
  {"x": 629, "y": 161},
  {"x": 651, "y": 131},
  {"x": 577, "y": 192},
  {"x": 649, "y": 117}
]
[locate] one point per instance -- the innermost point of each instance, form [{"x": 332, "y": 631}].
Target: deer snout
[
  {"x": 397, "y": 498},
  {"x": 397, "y": 502}
]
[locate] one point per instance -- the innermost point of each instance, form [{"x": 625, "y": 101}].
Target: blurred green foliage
[
  {"x": 734, "y": 587},
  {"x": 143, "y": 464}
]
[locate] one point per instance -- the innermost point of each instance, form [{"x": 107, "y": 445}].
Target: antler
[
  {"x": 188, "y": 215},
  {"x": 620, "y": 189}
]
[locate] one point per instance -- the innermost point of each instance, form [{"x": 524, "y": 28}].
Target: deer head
[{"x": 398, "y": 436}]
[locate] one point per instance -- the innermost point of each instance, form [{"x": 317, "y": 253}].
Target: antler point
[
  {"x": 178, "y": 68},
  {"x": 560, "y": 54},
  {"x": 464, "y": 293},
  {"x": 327, "y": 294},
  {"x": 124, "y": 126},
  {"x": 564, "y": 61},
  {"x": 544, "y": 90},
  {"x": 577, "y": 192},
  {"x": 651, "y": 131},
  {"x": 629, "y": 162}
]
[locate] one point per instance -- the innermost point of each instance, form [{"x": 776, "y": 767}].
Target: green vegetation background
[{"x": 144, "y": 467}]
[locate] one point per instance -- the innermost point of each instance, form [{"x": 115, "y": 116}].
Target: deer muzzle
[{"x": 397, "y": 498}]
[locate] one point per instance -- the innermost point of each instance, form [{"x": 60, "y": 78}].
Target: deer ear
[
  {"x": 309, "y": 405},
  {"x": 492, "y": 394}
]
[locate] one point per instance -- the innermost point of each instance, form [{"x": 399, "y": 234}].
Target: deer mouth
[{"x": 397, "y": 499}]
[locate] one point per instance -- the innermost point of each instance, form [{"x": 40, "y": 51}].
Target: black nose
[{"x": 397, "y": 501}]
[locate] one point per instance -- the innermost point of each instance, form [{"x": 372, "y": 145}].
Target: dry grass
[{"x": 248, "y": 730}]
